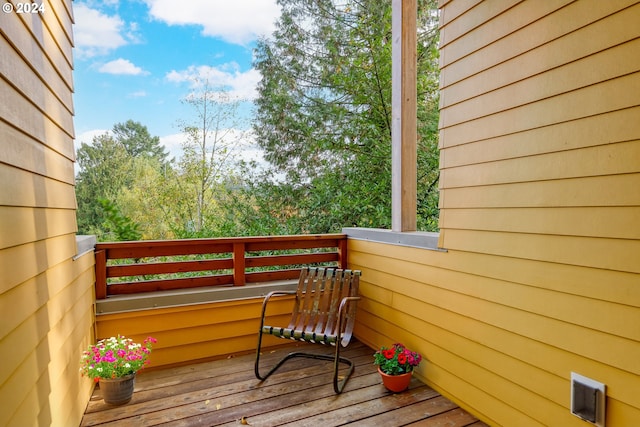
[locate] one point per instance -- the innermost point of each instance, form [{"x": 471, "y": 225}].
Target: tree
[
  {"x": 150, "y": 201},
  {"x": 119, "y": 226},
  {"x": 104, "y": 169},
  {"x": 324, "y": 113},
  {"x": 206, "y": 165},
  {"x": 109, "y": 170},
  {"x": 138, "y": 142}
]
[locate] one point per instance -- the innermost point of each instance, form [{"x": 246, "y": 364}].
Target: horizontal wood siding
[
  {"x": 540, "y": 209},
  {"x": 501, "y": 336},
  {"x": 200, "y": 331},
  {"x": 46, "y": 292}
]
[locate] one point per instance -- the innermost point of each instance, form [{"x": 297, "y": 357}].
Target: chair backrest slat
[
  {"x": 318, "y": 297},
  {"x": 334, "y": 304},
  {"x": 312, "y": 301},
  {"x": 324, "y": 311},
  {"x": 303, "y": 295}
]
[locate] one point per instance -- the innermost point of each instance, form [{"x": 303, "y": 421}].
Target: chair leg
[
  {"x": 257, "y": 364},
  {"x": 273, "y": 369},
  {"x": 338, "y": 385}
]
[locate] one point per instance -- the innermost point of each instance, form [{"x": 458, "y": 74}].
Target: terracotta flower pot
[
  {"x": 117, "y": 391},
  {"x": 396, "y": 383}
]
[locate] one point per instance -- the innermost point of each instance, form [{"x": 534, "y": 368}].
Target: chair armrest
[
  {"x": 276, "y": 293},
  {"x": 344, "y": 340},
  {"x": 266, "y": 300},
  {"x": 344, "y": 301},
  {"x": 272, "y": 293}
]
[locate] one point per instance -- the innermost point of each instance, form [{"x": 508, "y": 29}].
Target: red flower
[
  {"x": 396, "y": 360},
  {"x": 402, "y": 359}
]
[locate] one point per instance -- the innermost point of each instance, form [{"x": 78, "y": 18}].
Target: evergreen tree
[
  {"x": 323, "y": 114},
  {"x": 138, "y": 142},
  {"x": 108, "y": 169},
  {"x": 104, "y": 169}
]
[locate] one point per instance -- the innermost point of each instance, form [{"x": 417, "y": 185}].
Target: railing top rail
[
  {"x": 190, "y": 262},
  {"x": 219, "y": 240}
]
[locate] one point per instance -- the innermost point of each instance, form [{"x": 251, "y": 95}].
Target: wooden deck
[{"x": 226, "y": 393}]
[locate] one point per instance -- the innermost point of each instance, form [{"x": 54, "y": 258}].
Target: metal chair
[{"x": 323, "y": 312}]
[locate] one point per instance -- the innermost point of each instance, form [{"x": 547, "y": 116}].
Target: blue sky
[{"x": 136, "y": 59}]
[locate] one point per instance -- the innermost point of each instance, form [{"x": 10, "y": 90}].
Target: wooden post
[
  {"x": 101, "y": 274},
  {"x": 404, "y": 116},
  {"x": 239, "y": 264},
  {"x": 342, "y": 253}
]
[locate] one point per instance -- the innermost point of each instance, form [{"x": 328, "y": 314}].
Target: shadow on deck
[{"x": 226, "y": 393}]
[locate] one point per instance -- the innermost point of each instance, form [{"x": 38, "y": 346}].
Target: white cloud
[
  {"x": 87, "y": 136},
  {"x": 122, "y": 66},
  {"x": 235, "y": 21},
  {"x": 173, "y": 144},
  {"x": 137, "y": 94},
  {"x": 240, "y": 85},
  {"x": 102, "y": 3},
  {"x": 96, "y": 33}
]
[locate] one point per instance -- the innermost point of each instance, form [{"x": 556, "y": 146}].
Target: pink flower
[{"x": 115, "y": 357}]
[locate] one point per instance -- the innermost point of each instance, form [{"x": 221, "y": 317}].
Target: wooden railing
[{"x": 196, "y": 263}]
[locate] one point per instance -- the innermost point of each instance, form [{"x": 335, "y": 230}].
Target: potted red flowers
[{"x": 395, "y": 366}]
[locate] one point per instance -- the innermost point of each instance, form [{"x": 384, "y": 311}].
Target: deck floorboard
[{"x": 226, "y": 393}]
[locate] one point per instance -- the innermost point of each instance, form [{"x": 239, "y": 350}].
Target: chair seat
[{"x": 300, "y": 335}]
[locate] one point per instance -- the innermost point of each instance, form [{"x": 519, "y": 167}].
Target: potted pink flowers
[
  {"x": 395, "y": 366},
  {"x": 114, "y": 362}
]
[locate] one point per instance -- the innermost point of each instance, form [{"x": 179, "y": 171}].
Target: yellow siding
[
  {"x": 46, "y": 292},
  {"x": 540, "y": 209},
  {"x": 503, "y": 341},
  {"x": 20, "y": 225},
  {"x": 32, "y": 155},
  {"x": 199, "y": 331}
]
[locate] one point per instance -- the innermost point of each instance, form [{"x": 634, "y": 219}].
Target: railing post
[
  {"x": 238, "y": 264},
  {"x": 101, "y": 274},
  {"x": 342, "y": 253}
]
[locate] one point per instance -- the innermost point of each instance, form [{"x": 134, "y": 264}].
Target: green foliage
[
  {"x": 115, "y": 357},
  {"x": 396, "y": 360},
  {"x": 150, "y": 201},
  {"x": 138, "y": 142},
  {"x": 107, "y": 169},
  {"x": 322, "y": 118},
  {"x": 323, "y": 114},
  {"x": 208, "y": 158},
  {"x": 119, "y": 226}
]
